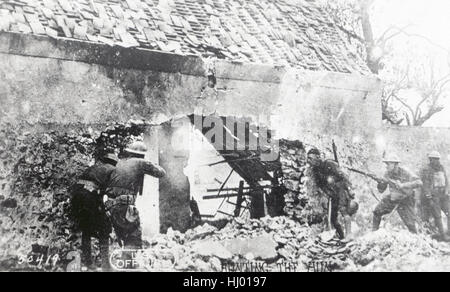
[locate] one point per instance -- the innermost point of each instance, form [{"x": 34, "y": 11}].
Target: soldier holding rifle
[{"x": 401, "y": 184}]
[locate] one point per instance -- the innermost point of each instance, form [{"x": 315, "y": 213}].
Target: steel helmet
[
  {"x": 314, "y": 151},
  {"x": 138, "y": 148},
  {"x": 392, "y": 158},
  {"x": 434, "y": 154},
  {"x": 111, "y": 157}
]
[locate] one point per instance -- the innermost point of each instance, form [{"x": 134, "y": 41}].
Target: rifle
[
  {"x": 376, "y": 178},
  {"x": 392, "y": 183},
  {"x": 335, "y": 153},
  {"x": 371, "y": 176},
  {"x": 329, "y": 199}
]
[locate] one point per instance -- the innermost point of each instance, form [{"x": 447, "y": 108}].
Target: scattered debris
[
  {"x": 210, "y": 248},
  {"x": 281, "y": 243},
  {"x": 398, "y": 250},
  {"x": 9, "y": 203},
  {"x": 34, "y": 204},
  {"x": 261, "y": 248}
]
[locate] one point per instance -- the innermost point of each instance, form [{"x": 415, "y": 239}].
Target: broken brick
[{"x": 9, "y": 203}]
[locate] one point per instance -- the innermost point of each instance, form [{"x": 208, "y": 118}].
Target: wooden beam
[
  {"x": 220, "y": 196},
  {"x": 207, "y": 216},
  {"x": 239, "y": 200},
  {"x": 237, "y": 189},
  {"x": 224, "y": 213}
]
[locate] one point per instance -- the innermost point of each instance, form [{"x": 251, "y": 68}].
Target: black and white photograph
[{"x": 219, "y": 137}]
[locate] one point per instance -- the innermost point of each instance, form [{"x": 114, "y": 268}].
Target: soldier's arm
[
  {"x": 413, "y": 181},
  {"x": 108, "y": 180},
  {"x": 382, "y": 187},
  {"x": 153, "y": 169},
  {"x": 426, "y": 182},
  {"x": 104, "y": 174},
  {"x": 383, "y": 183},
  {"x": 446, "y": 181}
]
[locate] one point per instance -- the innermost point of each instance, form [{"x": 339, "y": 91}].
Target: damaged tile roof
[{"x": 278, "y": 32}]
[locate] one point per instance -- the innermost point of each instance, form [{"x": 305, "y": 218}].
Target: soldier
[
  {"x": 88, "y": 209},
  {"x": 434, "y": 197},
  {"x": 126, "y": 184},
  {"x": 401, "y": 184},
  {"x": 336, "y": 185}
]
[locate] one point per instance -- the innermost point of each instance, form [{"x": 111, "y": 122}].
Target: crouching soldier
[
  {"x": 401, "y": 183},
  {"x": 434, "y": 197},
  {"x": 336, "y": 185},
  {"x": 88, "y": 209},
  {"x": 126, "y": 184}
]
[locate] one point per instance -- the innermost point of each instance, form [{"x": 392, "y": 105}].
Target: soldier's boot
[
  {"x": 348, "y": 225},
  {"x": 133, "y": 238},
  {"x": 448, "y": 225},
  {"x": 376, "y": 222},
  {"x": 104, "y": 254},
  {"x": 86, "y": 250},
  {"x": 339, "y": 229},
  {"x": 441, "y": 236},
  {"x": 440, "y": 227}
]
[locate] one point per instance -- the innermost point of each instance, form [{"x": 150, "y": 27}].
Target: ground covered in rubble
[
  {"x": 38, "y": 164},
  {"x": 282, "y": 245}
]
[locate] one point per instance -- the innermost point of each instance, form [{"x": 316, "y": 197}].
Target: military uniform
[
  {"x": 126, "y": 183},
  {"x": 88, "y": 210},
  {"x": 402, "y": 197},
  {"x": 434, "y": 197},
  {"x": 335, "y": 183}
]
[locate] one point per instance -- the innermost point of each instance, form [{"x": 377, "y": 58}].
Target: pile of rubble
[
  {"x": 398, "y": 250},
  {"x": 283, "y": 245},
  {"x": 39, "y": 166},
  {"x": 269, "y": 244}
]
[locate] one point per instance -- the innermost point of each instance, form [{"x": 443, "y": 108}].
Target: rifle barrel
[{"x": 369, "y": 175}]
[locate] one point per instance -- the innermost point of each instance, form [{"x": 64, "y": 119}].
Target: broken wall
[
  {"x": 63, "y": 81},
  {"x": 40, "y": 163},
  {"x": 413, "y": 144},
  {"x": 45, "y": 81},
  {"x": 174, "y": 188},
  {"x": 324, "y": 104}
]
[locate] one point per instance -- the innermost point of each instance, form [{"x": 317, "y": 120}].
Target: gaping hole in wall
[
  {"x": 230, "y": 166},
  {"x": 237, "y": 169},
  {"x": 230, "y": 177}
]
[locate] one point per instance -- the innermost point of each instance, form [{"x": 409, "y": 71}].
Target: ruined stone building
[{"x": 76, "y": 71}]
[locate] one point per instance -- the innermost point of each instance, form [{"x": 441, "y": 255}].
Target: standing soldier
[
  {"x": 401, "y": 184},
  {"x": 88, "y": 209},
  {"x": 336, "y": 185},
  {"x": 435, "y": 196},
  {"x": 126, "y": 184}
]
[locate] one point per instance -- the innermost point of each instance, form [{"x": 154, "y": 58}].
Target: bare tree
[
  {"x": 426, "y": 91},
  {"x": 353, "y": 18}
]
